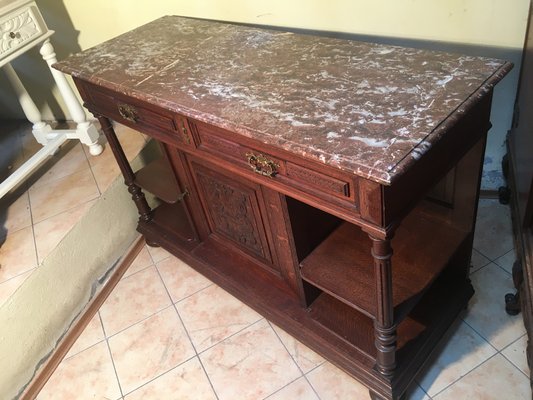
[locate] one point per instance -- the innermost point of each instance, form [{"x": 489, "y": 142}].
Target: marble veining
[{"x": 366, "y": 108}]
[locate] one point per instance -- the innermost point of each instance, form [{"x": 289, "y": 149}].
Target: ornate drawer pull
[
  {"x": 128, "y": 112},
  {"x": 14, "y": 35},
  {"x": 262, "y": 165}
]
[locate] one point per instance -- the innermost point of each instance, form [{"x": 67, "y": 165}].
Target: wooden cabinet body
[
  {"x": 520, "y": 177},
  {"x": 367, "y": 271}
]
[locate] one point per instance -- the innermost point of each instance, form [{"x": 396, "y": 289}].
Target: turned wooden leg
[
  {"x": 384, "y": 327},
  {"x": 85, "y": 131},
  {"x": 145, "y": 212}
]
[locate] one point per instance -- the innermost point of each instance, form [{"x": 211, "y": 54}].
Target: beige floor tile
[
  {"x": 69, "y": 160},
  {"x": 297, "y": 390},
  {"x": 306, "y": 358},
  {"x": 494, "y": 234},
  {"x": 486, "y": 310},
  {"x": 51, "y": 231},
  {"x": 462, "y": 352},
  {"x": 516, "y": 353},
  {"x": 478, "y": 260},
  {"x": 9, "y": 287},
  {"x": 105, "y": 173},
  {"x": 496, "y": 379},
  {"x": 333, "y": 384},
  {"x": 158, "y": 253},
  {"x": 249, "y": 365},
  {"x": 15, "y": 214},
  {"x": 62, "y": 194},
  {"x": 92, "y": 334},
  {"x": 142, "y": 261},
  {"x": 211, "y": 315},
  {"x": 150, "y": 348},
  {"x": 17, "y": 254},
  {"x": 186, "y": 382},
  {"x": 134, "y": 299},
  {"x": 506, "y": 261},
  {"x": 87, "y": 375},
  {"x": 180, "y": 279}
]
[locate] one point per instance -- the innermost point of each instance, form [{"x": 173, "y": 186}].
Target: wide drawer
[
  {"x": 19, "y": 28},
  {"x": 282, "y": 168},
  {"x": 161, "y": 124}
]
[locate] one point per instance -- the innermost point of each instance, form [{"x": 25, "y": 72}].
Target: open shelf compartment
[
  {"x": 157, "y": 177},
  {"x": 423, "y": 246}
]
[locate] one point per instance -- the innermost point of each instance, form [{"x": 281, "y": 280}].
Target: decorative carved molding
[
  {"x": 232, "y": 212},
  {"x": 17, "y": 30}
]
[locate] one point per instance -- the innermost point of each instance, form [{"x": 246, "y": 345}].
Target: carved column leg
[
  {"x": 85, "y": 131},
  {"x": 384, "y": 327},
  {"x": 137, "y": 195}
]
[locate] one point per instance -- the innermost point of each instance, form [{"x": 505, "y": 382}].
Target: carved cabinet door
[{"x": 235, "y": 212}]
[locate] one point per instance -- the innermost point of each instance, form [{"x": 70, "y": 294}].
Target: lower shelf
[
  {"x": 415, "y": 330},
  {"x": 169, "y": 222}
]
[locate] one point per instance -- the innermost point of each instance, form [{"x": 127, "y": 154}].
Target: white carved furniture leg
[
  {"x": 86, "y": 132},
  {"x": 40, "y": 128}
]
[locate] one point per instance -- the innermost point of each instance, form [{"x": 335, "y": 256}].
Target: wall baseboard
[{"x": 50, "y": 365}]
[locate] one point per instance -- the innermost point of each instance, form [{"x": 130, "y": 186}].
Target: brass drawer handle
[
  {"x": 14, "y": 35},
  {"x": 128, "y": 112},
  {"x": 261, "y": 165}
]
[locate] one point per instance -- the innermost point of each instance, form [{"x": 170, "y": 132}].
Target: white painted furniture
[{"x": 22, "y": 27}]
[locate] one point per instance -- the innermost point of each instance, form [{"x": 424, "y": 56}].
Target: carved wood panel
[{"x": 233, "y": 211}]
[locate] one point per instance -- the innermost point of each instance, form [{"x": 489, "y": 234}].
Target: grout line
[
  {"x": 295, "y": 362},
  {"x": 111, "y": 356},
  {"x": 33, "y": 230},
  {"x": 192, "y": 294},
  {"x": 160, "y": 375},
  {"x": 136, "y": 323},
  {"x": 281, "y": 388},
  {"x": 516, "y": 366},
  {"x": 304, "y": 374},
  {"x": 188, "y": 334},
  {"x": 208, "y": 378},
  {"x": 17, "y": 275},
  {"x": 469, "y": 372},
  {"x": 285, "y": 347}
]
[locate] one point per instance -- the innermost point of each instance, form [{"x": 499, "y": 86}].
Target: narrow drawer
[
  {"x": 161, "y": 124},
  {"x": 224, "y": 145},
  {"x": 18, "y": 28}
]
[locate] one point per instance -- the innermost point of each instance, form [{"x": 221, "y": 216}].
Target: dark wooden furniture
[
  {"x": 302, "y": 175},
  {"x": 520, "y": 177}
]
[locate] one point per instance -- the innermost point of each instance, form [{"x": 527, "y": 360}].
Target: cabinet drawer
[
  {"x": 222, "y": 144},
  {"x": 161, "y": 124},
  {"x": 19, "y": 28}
]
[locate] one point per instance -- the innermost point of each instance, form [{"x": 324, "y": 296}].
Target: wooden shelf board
[
  {"x": 172, "y": 220},
  {"x": 343, "y": 267},
  {"x": 157, "y": 178}
]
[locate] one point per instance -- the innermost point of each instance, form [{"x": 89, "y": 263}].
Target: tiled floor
[
  {"x": 36, "y": 216},
  {"x": 166, "y": 332}
]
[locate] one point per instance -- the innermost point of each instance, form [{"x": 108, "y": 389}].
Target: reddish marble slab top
[{"x": 365, "y": 108}]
